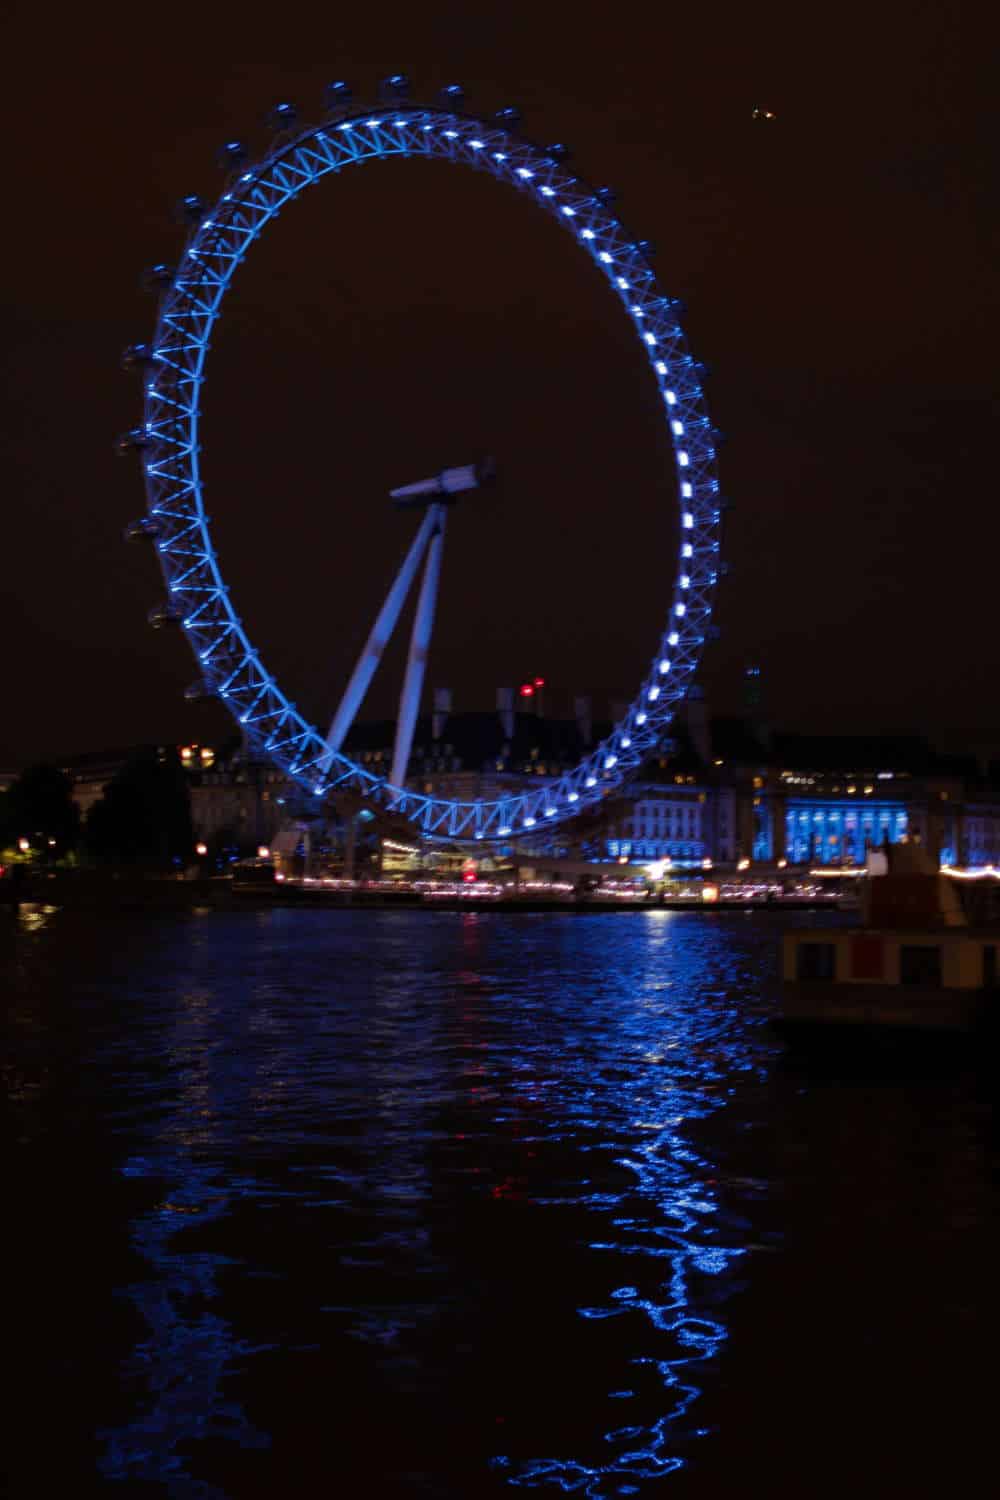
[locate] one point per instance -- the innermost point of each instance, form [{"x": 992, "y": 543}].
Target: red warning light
[
  {"x": 527, "y": 691},
  {"x": 539, "y": 682},
  {"x": 469, "y": 876}
]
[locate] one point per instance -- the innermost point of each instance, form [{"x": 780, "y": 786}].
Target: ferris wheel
[{"x": 173, "y": 369}]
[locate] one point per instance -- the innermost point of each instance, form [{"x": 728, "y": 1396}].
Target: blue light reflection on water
[{"x": 447, "y": 1143}]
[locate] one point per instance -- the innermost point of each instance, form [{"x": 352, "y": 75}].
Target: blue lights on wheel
[{"x": 168, "y": 442}]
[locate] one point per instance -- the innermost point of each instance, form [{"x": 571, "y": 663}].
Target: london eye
[{"x": 173, "y": 367}]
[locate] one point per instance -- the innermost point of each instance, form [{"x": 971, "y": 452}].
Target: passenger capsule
[
  {"x": 162, "y": 616},
  {"x": 606, "y": 195},
  {"x": 137, "y": 357},
  {"x": 155, "y": 278},
  {"x": 337, "y": 94},
  {"x": 147, "y": 529},
  {"x": 557, "y": 151},
  {"x": 190, "y": 210},
  {"x": 509, "y": 118},
  {"x": 396, "y": 86},
  {"x": 231, "y": 155},
  {"x": 133, "y": 441},
  {"x": 452, "y": 96},
  {"x": 282, "y": 116}
]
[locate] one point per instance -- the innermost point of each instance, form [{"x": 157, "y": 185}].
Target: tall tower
[{"x": 753, "y": 701}]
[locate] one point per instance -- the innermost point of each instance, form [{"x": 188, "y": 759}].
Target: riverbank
[{"x": 128, "y": 892}]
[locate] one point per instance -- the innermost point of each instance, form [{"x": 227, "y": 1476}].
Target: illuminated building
[{"x": 720, "y": 789}]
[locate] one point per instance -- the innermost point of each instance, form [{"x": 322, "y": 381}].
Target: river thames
[{"x": 413, "y": 1203}]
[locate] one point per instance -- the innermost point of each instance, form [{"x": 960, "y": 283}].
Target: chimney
[
  {"x": 584, "y": 714},
  {"x": 442, "y": 708},
  {"x": 505, "y": 708},
  {"x": 695, "y": 715}
]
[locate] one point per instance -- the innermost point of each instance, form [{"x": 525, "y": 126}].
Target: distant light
[
  {"x": 201, "y": 850},
  {"x": 23, "y": 845},
  {"x": 706, "y": 864},
  {"x": 263, "y": 852},
  {"x": 782, "y": 864},
  {"x": 744, "y": 864},
  {"x": 527, "y": 691},
  {"x": 539, "y": 682}
]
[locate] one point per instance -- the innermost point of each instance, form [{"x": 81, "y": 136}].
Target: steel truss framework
[{"x": 169, "y": 441}]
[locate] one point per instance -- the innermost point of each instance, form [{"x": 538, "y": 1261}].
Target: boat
[{"x": 912, "y": 964}]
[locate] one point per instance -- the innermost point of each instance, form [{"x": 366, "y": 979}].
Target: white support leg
[
  {"x": 423, "y": 624},
  {"x": 378, "y": 639}
]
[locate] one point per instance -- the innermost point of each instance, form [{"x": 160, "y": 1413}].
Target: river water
[{"x": 430, "y": 1204}]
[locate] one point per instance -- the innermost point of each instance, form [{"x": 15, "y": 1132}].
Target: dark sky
[{"x": 839, "y": 272}]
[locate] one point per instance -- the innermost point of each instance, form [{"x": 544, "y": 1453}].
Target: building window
[
  {"x": 815, "y": 961},
  {"x": 920, "y": 964}
]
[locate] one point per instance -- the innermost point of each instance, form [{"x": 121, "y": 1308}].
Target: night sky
[{"x": 838, "y": 270}]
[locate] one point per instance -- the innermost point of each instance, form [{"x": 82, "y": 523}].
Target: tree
[
  {"x": 39, "y": 807},
  {"x": 145, "y": 812}
]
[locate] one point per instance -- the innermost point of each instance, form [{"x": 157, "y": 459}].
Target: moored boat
[{"x": 912, "y": 964}]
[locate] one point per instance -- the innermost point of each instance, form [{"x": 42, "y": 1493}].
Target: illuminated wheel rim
[{"x": 231, "y": 666}]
